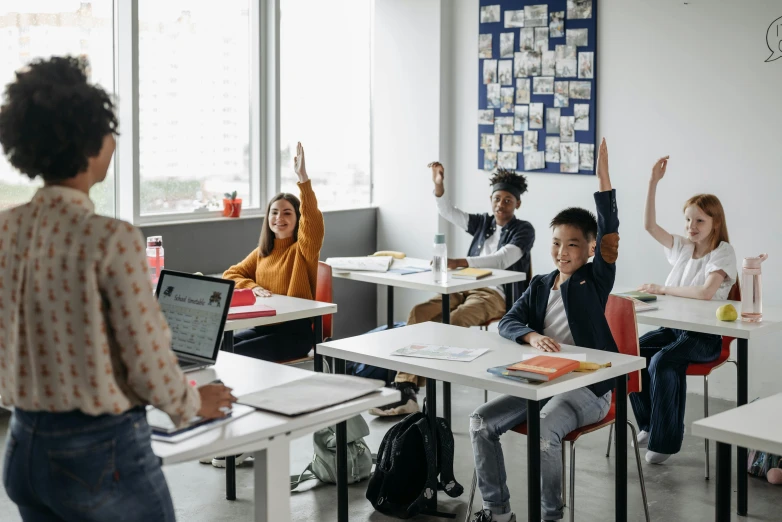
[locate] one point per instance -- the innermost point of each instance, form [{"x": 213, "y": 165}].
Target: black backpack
[{"x": 406, "y": 474}]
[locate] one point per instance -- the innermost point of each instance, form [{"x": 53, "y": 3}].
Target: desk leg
[
  {"x": 533, "y": 460},
  {"x": 431, "y": 414},
  {"x": 446, "y": 385},
  {"x": 621, "y": 448},
  {"x": 390, "y": 307},
  {"x": 741, "y": 399},
  {"x": 342, "y": 458},
  {"x": 272, "y": 482},
  {"x": 508, "y": 287},
  {"x": 318, "y": 339},
  {"x": 722, "y": 502},
  {"x": 230, "y": 477}
]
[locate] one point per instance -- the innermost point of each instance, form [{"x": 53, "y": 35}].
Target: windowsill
[{"x": 163, "y": 222}]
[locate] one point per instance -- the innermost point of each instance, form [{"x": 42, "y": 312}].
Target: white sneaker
[
  {"x": 652, "y": 457},
  {"x": 219, "y": 462},
  {"x": 643, "y": 439},
  {"x": 206, "y": 460}
]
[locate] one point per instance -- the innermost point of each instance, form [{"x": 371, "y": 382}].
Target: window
[
  {"x": 325, "y": 98},
  {"x": 31, "y": 29},
  {"x": 194, "y": 126}
]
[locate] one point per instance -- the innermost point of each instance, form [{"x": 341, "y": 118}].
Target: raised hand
[
  {"x": 298, "y": 164},
  {"x": 438, "y": 176},
  {"x": 602, "y": 167},
  {"x": 658, "y": 171}
]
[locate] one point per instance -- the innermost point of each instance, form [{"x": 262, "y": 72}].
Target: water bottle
[
  {"x": 155, "y": 257},
  {"x": 751, "y": 290},
  {"x": 440, "y": 259}
]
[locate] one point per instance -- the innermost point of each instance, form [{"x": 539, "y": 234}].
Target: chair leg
[
  {"x": 564, "y": 475},
  {"x": 640, "y": 471},
  {"x": 572, "y": 481},
  {"x": 610, "y": 436},
  {"x": 485, "y": 395},
  {"x": 706, "y": 414},
  {"x": 472, "y": 496}
]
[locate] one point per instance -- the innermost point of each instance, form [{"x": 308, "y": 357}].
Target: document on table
[
  {"x": 163, "y": 428},
  {"x": 564, "y": 355},
  {"x": 312, "y": 393},
  {"x": 446, "y": 353},
  {"x": 364, "y": 264},
  {"x": 412, "y": 262}
]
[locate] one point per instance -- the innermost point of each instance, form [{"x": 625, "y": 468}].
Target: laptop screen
[{"x": 196, "y": 308}]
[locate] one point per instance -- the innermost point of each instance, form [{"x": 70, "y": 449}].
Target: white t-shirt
[
  {"x": 555, "y": 323},
  {"x": 693, "y": 272}
]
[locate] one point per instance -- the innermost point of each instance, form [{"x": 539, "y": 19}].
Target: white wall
[
  {"x": 689, "y": 81},
  {"x": 406, "y": 109}
]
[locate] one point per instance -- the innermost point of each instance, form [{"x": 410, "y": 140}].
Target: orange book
[{"x": 542, "y": 368}]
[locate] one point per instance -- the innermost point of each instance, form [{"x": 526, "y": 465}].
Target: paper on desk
[
  {"x": 564, "y": 355},
  {"x": 412, "y": 262},
  {"x": 365, "y": 264},
  {"x": 312, "y": 393},
  {"x": 446, "y": 353},
  {"x": 159, "y": 418}
]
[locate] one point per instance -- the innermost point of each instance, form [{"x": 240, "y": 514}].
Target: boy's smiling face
[
  {"x": 570, "y": 250},
  {"x": 503, "y": 205}
]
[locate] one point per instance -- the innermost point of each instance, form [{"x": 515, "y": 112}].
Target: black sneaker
[
  {"x": 485, "y": 515},
  {"x": 407, "y": 405}
]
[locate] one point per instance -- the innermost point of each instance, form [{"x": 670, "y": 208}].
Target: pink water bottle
[
  {"x": 751, "y": 290},
  {"x": 155, "y": 257}
]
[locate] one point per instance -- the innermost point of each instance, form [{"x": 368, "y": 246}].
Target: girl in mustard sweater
[{"x": 285, "y": 263}]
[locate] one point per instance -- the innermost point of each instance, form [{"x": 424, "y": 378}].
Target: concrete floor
[{"x": 677, "y": 490}]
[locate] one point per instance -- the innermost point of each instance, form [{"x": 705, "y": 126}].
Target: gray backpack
[{"x": 324, "y": 462}]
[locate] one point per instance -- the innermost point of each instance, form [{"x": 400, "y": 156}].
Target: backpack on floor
[
  {"x": 324, "y": 462},
  {"x": 406, "y": 474}
]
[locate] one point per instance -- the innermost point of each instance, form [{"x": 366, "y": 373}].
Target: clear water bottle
[
  {"x": 751, "y": 289},
  {"x": 440, "y": 259},
  {"x": 155, "y": 257}
]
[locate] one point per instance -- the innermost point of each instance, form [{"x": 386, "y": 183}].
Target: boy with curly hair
[{"x": 500, "y": 240}]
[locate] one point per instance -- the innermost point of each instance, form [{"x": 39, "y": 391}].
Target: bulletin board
[{"x": 537, "y": 92}]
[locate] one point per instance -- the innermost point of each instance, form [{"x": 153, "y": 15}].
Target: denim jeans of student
[
  {"x": 75, "y": 467},
  {"x": 659, "y": 407},
  {"x": 558, "y": 416}
]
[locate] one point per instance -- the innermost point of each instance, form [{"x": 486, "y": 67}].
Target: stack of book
[{"x": 538, "y": 369}]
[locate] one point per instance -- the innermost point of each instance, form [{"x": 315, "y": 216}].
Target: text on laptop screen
[{"x": 193, "y": 309}]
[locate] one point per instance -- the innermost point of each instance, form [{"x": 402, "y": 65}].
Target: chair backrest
[
  {"x": 620, "y": 314},
  {"x": 735, "y": 292},
  {"x": 324, "y": 293}
]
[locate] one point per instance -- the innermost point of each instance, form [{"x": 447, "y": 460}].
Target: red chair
[
  {"x": 324, "y": 293},
  {"x": 620, "y": 313}
]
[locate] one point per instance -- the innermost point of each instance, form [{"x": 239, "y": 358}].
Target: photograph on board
[
  {"x": 535, "y": 115},
  {"x": 568, "y": 157},
  {"x": 506, "y": 99},
  {"x": 535, "y": 160},
  {"x": 507, "y": 160},
  {"x": 586, "y": 154},
  {"x": 530, "y": 141},
  {"x": 556, "y": 26},
  {"x": 484, "y": 46},
  {"x": 541, "y": 39},
  {"x": 552, "y": 121},
  {"x": 490, "y": 142},
  {"x": 485, "y": 117},
  {"x": 566, "y": 133},
  {"x": 514, "y": 18},
  {"x": 548, "y": 61},
  {"x": 581, "y": 115},
  {"x": 577, "y": 37},
  {"x": 505, "y": 71},
  {"x": 566, "y": 61},
  {"x": 552, "y": 149},
  {"x": 489, "y": 71},
  {"x": 536, "y": 15},
  {"x": 521, "y": 118},
  {"x": 522, "y": 90},
  {"x": 543, "y": 85},
  {"x": 528, "y": 64},
  {"x": 512, "y": 143},
  {"x": 490, "y": 14},
  {"x": 493, "y": 96},
  {"x": 586, "y": 65},
  {"x": 581, "y": 90},
  {"x": 527, "y": 39},
  {"x": 579, "y": 9},
  {"x": 561, "y": 98},
  {"x": 490, "y": 161},
  {"x": 507, "y": 40},
  {"x": 503, "y": 125}
]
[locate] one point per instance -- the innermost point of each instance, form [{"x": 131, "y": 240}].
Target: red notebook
[
  {"x": 543, "y": 368},
  {"x": 248, "y": 312}
]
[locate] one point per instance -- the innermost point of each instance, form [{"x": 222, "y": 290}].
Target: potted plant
[{"x": 232, "y": 206}]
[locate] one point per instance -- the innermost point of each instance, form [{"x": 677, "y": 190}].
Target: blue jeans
[
  {"x": 659, "y": 407},
  {"x": 75, "y": 467},
  {"x": 558, "y": 416}
]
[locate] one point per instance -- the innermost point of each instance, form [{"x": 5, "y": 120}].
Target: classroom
[{"x": 511, "y": 214}]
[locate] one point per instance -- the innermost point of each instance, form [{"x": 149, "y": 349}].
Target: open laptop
[{"x": 196, "y": 308}]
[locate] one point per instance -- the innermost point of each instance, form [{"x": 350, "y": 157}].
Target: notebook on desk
[
  {"x": 250, "y": 311},
  {"x": 471, "y": 273},
  {"x": 641, "y": 296},
  {"x": 163, "y": 427}
]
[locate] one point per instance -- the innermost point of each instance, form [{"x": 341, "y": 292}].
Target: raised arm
[
  {"x": 650, "y": 214},
  {"x": 458, "y": 217},
  {"x": 607, "y": 241},
  {"x": 311, "y": 226}
]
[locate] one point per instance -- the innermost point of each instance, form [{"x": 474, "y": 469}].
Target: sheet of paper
[
  {"x": 565, "y": 355},
  {"x": 447, "y": 353},
  {"x": 157, "y": 417},
  {"x": 366, "y": 263},
  {"x": 412, "y": 262}
]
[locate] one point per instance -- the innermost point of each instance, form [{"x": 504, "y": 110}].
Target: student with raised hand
[
  {"x": 500, "y": 240},
  {"x": 285, "y": 263},
  {"x": 565, "y": 306},
  {"x": 704, "y": 267},
  {"x": 84, "y": 346}
]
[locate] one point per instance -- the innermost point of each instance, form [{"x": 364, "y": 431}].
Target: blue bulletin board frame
[{"x": 495, "y": 29}]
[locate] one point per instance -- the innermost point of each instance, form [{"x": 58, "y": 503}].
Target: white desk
[
  {"x": 757, "y": 425},
  {"x": 267, "y": 435},
  {"x": 425, "y": 281},
  {"x": 697, "y": 315},
  {"x": 376, "y": 349}
]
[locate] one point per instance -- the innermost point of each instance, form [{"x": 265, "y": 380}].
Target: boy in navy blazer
[{"x": 566, "y": 306}]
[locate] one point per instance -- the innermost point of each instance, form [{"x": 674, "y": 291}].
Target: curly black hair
[
  {"x": 511, "y": 178},
  {"x": 579, "y": 218},
  {"x": 52, "y": 120}
]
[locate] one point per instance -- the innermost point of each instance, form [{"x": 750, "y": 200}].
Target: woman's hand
[
  {"x": 214, "y": 399},
  {"x": 542, "y": 343},
  {"x": 651, "y": 288},
  {"x": 658, "y": 171},
  {"x": 438, "y": 176},
  {"x": 261, "y": 292},
  {"x": 298, "y": 164}
]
